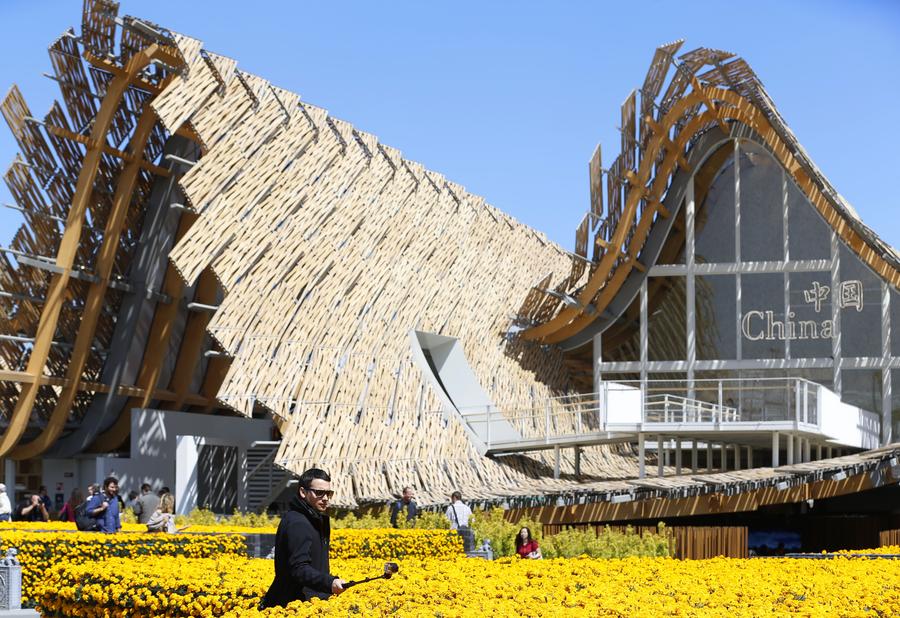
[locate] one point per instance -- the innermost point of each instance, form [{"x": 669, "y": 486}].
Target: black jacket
[{"x": 301, "y": 557}]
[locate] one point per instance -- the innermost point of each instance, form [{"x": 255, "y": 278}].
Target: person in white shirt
[
  {"x": 5, "y": 506},
  {"x": 458, "y": 513}
]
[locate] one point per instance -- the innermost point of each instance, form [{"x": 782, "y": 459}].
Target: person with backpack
[
  {"x": 406, "y": 503},
  {"x": 104, "y": 507},
  {"x": 67, "y": 513},
  {"x": 83, "y": 521}
]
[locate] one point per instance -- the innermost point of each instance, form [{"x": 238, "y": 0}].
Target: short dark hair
[
  {"x": 145, "y": 487},
  {"x": 313, "y": 473},
  {"x": 109, "y": 480},
  {"x": 456, "y": 496}
]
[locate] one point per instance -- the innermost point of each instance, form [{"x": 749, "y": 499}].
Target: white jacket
[
  {"x": 458, "y": 514},
  {"x": 5, "y": 506}
]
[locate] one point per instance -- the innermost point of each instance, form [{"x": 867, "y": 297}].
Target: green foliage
[
  {"x": 197, "y": 517},
  {"x": 367, "y": 521},
  {"x": 252, "y": 520},
  {"x": 607, "y": 543},
  {"x": 571, "y": 542},
  {"x": 492, "y": 524},
  {"x": 427, "y": 520}
]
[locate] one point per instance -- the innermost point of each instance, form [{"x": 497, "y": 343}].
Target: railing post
[
  {"x": 604, "y": 412},
  {"x": 660, "y": 455},
  {"x": 721, "y": 400},
  {"x": 642, "y": 471},
  {"x": 547, "y": 422},
  {"x": 805, "y": 402}
]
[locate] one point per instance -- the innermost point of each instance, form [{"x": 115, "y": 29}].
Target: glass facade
[{"x": 767, "y": 291}]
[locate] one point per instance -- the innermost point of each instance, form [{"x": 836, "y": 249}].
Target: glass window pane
[
  {"x": 762, "y": 208},
  {"x": 673, "y": 249},
  {"x": 862, "y": 387},
  {"x": 859, "y": 297},
  {"x": 714, "y": 219},
  {"x": 810, "y": 327},
  {"x": 667, "y": 323},
  {"x": 762, "y": 316},
  {"x": 716, "y": 307},
  {"x": 895, "y": 323},
  {"x": 895, "y": 405},
  {"x": 620, "y": 342},
  {"x": 809, "y": 237}
]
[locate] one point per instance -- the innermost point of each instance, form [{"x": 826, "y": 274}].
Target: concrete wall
[{"x": 164, "y": 450}]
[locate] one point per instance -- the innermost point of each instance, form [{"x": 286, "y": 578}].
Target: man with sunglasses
[{"x": 301, "y": 546}]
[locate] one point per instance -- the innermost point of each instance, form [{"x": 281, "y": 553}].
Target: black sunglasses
[{"x": 321, "y": 493}]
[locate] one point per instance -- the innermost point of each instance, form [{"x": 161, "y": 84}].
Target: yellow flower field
[
  {"x": 39, "y": 550},
  {"x": 464, "y": 587}
]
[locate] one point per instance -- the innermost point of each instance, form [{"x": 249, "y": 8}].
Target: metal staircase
[{"x": 265, "y": 480}]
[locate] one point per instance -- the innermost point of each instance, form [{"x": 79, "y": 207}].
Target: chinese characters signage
[{"x": 763, "y": 325}]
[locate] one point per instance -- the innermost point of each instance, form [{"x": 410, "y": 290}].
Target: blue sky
[{"x": 510, "y": 99}]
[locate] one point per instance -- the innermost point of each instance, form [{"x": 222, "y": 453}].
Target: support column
[
  {"x": 556, "y": 462},
  {"x": 709, "y": 457},
  {"x": 886, "y": 403},
  {"x": 642, "y": 457},
  {"x": 775, "y": 447},
  {"x": 790, "y": 450},
  {"x": 577, "y": 461},
  {"x": 836, "y": 313},
  {"x": 749, "y": 457},
  {"x": 818, "y": 452},
  {"x": 690, "y": 309},
  {"x": 798, "y": 449},
  {"x": 678, "y": 456},
  {"x": 660, "y": 456},
  {"x": 598, "y": 358},
  {"x": 694, "y": 460},
  {"x": 828, "y": 452},
  {"x": 9, "y": 479},
  {"x": 724, "y": 454},
  {"x": 806, "y": 453},
  {"x": 737, "y": 457}
]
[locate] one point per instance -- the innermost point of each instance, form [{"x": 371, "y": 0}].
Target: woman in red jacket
[
  {"x": 68, "y": 511},
  {"x": 527, "y": 547}
]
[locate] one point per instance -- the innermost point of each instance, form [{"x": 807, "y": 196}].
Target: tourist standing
[
  {"x": 104, "y": 507},
  {"x": 45, "y": 498},
  {"x": 458, "y": 513},
  {"x": 32, "y": 509},
  {"x": 146, "y": 504},
  {"x": 68, "y": 510},
  {"x": 301, "y": 545},
  {"x": 5, "y": 505},
  {"x": 406, "y": 502}
]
